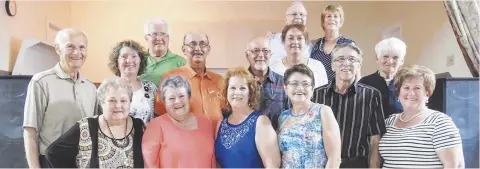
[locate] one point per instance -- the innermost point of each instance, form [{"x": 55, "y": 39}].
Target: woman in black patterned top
[
  {"x": 110, "y": 140},
  {"x": 127, "y": 60}
]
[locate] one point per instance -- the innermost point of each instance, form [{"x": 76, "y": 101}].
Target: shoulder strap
[{"x": 93, "y": 125}]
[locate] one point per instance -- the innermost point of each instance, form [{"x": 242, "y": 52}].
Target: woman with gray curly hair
[
  {"x": 110, "y": 140},
  {"x": 127, "y": 60},
  {"x": 180, "y": 138}
]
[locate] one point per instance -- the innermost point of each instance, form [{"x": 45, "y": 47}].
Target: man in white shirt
[{"x": 296, "y": 13}]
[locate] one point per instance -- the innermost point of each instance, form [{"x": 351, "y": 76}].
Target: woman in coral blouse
[{"x": 179, "y": 138}]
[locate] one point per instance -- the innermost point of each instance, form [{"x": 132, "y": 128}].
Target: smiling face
[
  {"x": 116, "y": 105},
  {"x": 196, "y": 48},
  {"x": 294, "y": 42},
  {"x": 177, "y": 102},
  {"x": 128, "y": 61},
  {"x": 413, "y": 94},
  {"x": 299, "y": 88},
  {"x": 238, "y": 92},
  {"x": 389, "y": 63},
  {"x": 296, "y": 14},
  {"x": 258, "y": 54},
  {"x": 332, "y": 21},
  {"x": 157, "y": 38},
  {"x": 346, "y": 63},
  {"x": 72, "y": 49}
]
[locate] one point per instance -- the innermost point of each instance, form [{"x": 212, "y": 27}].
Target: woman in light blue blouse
[{"x": 309, "y": 135}]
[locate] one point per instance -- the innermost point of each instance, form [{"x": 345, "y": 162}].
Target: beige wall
[
  {"x": 31, "y": 21},
  {"x": 230, "y": 24}
]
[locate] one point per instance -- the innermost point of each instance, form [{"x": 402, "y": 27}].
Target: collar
[
  {"x": 322, "y": 40},
  {"x": 192, "y": 73},
  {"x": 351, "y": 90},
  {"x": 62, "y": 75},
  {"x": 383, "y": 79},
  {"x": 150, "y": 57},
  {"x": 270, "y": 74}
]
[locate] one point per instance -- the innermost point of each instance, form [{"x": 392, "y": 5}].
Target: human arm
[
  {"x": 34, "y": 110},
  {"x": 376, "y": 128},
  {"x": 447, "y": 143},
  {"x": 267, "y": 143},
  {"x": 62, "y": 152},
  {"x": 331, "y": 138},
  {"x": 152, "y": 143}
]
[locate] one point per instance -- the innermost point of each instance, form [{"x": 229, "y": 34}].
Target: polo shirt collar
[
  {"x": 270, "y": 74},
  {"x": 61, "y": 73},
  {"x": 192, "y": 73},
  {"x": 168, "y": 54}
]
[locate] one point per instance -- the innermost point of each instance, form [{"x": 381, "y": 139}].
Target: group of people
[{"x": 300, "y": 104}]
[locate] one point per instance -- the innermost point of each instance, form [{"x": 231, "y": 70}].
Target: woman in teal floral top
[{"x": 309, "y": 135}]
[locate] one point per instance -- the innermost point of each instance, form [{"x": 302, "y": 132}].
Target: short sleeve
[
  {"x": 377, "y": 120},
  {"x": 35, "y": 105},
  {"x": 445, "y": 133},
  {"x": 62, "y": 152}
]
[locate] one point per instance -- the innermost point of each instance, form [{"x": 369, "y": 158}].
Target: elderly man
[
  {"x": 390, "y": 56},
  {"x": 357, "y": 108},
  {"x": 205, "y": 84},
  {"x": 297, "y": 14},
  {"x": 160, "y": 59},
  {"x": 57, "y": 98},
  {"x": 273, "y": 99}
]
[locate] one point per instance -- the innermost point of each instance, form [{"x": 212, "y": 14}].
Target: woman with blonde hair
[{"x": 245, "y": 138}]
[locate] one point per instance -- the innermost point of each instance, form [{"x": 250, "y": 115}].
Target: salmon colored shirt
[
  {"x": 206, "y": 93},
  {"x": 167, "y": 145}
]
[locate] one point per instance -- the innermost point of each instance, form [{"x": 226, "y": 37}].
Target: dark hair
[
  {"x": 113, "y": 58},
  {"x": 300, "y": 27},
  {"x": 300, "y": 68},
  {"x": 253, "y": 88}
]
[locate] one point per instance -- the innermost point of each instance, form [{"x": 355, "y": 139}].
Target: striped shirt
[
  {"x": 359, "y": 114},
  {"x": 416, "y": 146},
  {"x": 317, "y": 53}
]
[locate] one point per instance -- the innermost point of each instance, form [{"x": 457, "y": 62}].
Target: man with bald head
[
  {"x": 205, "y": 85},
  {"x": 273, "y": 99},
  {"x": 58, "y": 97},
  {"x": 295, "y": 14},
  {"x": 160, "y": 59}
]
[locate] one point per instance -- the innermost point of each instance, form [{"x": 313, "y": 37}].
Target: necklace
[
  {"x": 406, "y": 121},
  {"x": 115, "y": 140}
]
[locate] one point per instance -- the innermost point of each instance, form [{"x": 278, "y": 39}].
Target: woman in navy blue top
[
  {"x": 332, "y": 20},
  {"x": 245, "y": 138}
]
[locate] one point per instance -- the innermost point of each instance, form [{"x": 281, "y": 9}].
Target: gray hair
[
  {"x": 113, "y": 83},
  {"x": 392, "y": 46},
  {"x": 175, "y": 82},
  {"x": 295, "y": 3},
  {"x": 155, "y": 22},
  {"x": 66, "y": 33},
  {"x": 347, "y": 45}
]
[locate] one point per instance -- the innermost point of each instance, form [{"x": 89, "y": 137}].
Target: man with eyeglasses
[
  {"x": 357, "y": 108},
  {"x": 273, "y": 99},
  {"x": 160, "y": 59},
  {"x": 205, "y": 85},
  {"x": 296, "y": 14}
]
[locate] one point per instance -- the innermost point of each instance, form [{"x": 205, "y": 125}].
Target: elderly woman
[
  {"x": 390, "y": 56},
  {"x": 294, "y": 38},
  {"x": 111, "y": 140},
  {"x": 245, "y": 138},
  {"x": 308, "y": 135},
  {"x": 128, "y": 61},
  {"x": 419, "y": 137},
  {"x": 180, "y": 138},
  {"x": 332, "y": 20}
]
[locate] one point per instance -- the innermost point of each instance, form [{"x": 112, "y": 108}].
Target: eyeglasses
[
  {"x": 297, "y": 14},
  {"x": 296, "y": 84},
  {"x": 194, "y": 44},
  {"x": 342, "y": 59},
  {"x": 115, "y": 102},
  {"x": 158, "y": 34},
  {"x": 257, "y": 51}
]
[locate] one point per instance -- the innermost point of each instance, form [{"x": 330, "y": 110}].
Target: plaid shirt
[{"x": 273, "y": 99}]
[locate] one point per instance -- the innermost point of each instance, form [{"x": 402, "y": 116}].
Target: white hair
[
  {"x": 295, "y": 3},
  {"x": 155, "y": 22},
  {"x": 67, "y": 33},
  {"x": 391, "y": 46}
]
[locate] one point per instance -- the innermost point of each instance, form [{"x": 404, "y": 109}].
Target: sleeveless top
[
  {"x": 235, "y": 144},
  {"x": 300, "y": 139}
]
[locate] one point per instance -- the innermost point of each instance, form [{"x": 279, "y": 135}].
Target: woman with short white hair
[
  {"x": 110, "y": 140},
  {"x": 390, "y": 56}
]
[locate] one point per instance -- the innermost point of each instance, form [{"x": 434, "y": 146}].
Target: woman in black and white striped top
[{"x": 419, "y": 137}]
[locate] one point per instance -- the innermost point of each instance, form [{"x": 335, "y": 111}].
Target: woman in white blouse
[
  {"x": 419, "y": 137},
  {"x": 294, "y": 38},
  {"x": 128, "y": 61}
]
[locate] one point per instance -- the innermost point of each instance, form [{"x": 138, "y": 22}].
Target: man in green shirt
[{"x": 160, "y": 59}]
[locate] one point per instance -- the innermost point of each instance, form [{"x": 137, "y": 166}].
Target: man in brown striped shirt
[{"x": 357, "y": 108}]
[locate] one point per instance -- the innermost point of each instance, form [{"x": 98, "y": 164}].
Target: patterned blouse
[
  {"x": 142, "y": 102},
  {"x": 300, "y": 139}
]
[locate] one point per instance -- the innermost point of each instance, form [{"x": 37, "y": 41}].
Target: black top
[
  {"x": 359, "y": 114},
  {"x": 62, "y": 153},
  {"x": 391, "y": 105}
]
